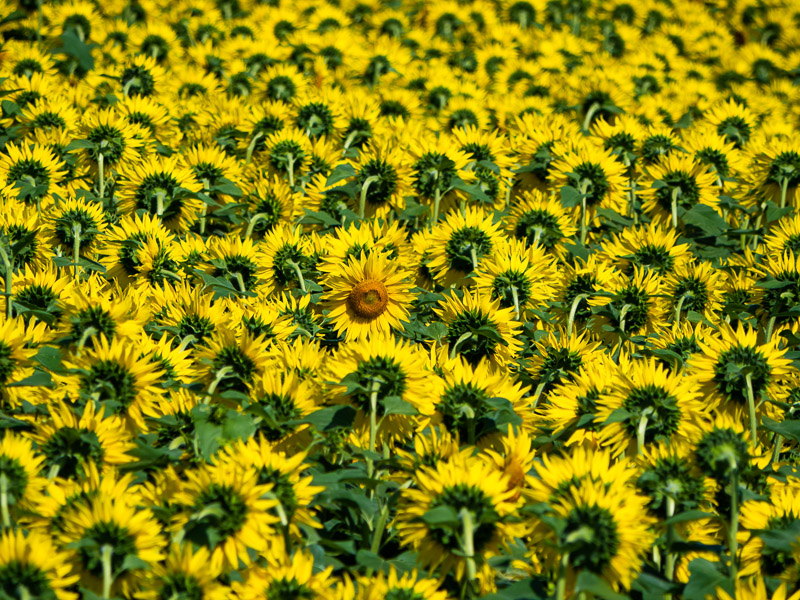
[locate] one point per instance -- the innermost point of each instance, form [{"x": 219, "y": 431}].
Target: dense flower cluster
[{"x": 406, "y": 300}]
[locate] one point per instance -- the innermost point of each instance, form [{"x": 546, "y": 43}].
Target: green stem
[
  {"x": 679, "y": 308},
  {"x": 561, "y": 582},
  {"x": 515, "y": 297},
  {"x": 573, "y": 310},
  {"x": 240, "y": 282},
  {"x": 468, "y": 545},
  {"x": 4, "y": 512},
  {"x": 362, "y": 201},
  {"x": 76, "y": 248},
  {"x": 464, "y": 337},
  {"x": 733, "y": 543},
  {"x": 538, "y": 394},
  {"x": 290, "y": 168},
  {"x": 589, "y": 114},
  {"x": 751, "y": 406},
  {"x": 784, "y": 190},
  {"x": 373, "y": 425},
  {"x": 777, "y": 452},
  {"x": 676, "y": 192},
  {"x": 159, "y": 204},
  {"x": 770, "y": 327},
  {"x": 437, "y": 200},
  {"x": 252, "y": 146},
  {"x": 583, "y": 220},
  {"x": 641, "y": 432},
  {"x": 87, "y": 333},
  {"x": 474, "y": 256},
  {"x": 106, "y": 552},
  {"x": 206, "y": 189},
  {"x": 670, "y": 566},
  {"x": 622, "y": 314},
  {"x": 377, "y": 533},
  {"x": 251, "y": 226},
  {"x": 299, "y": 272},
  {"x": 8, "y": 273},
  {"x": 101, "y": 183},
  {"x": 221, "y": 374}
]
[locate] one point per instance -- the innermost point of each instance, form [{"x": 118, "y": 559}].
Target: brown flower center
[{"x": 368, "y": 299}]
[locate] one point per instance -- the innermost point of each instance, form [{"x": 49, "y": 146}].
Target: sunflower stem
[
  {"x": 159, "y": 204},
  {"x": 561, "y": 582},
  {"x": 101, "y": 182},
  {"x": 464, "y": 337},
  {"x": 252, "y": 146},
  {"x": 679, "y": 308},
  {"x": 733, "y": 530},
  {"x": 240, "y": 282},
  {"x": 670, "y": 566},
  {"x": 784, "y": 190},
  {"x": 776, "y": 453},
  {"x": 437, "y": 200},
  {"x": 4, "y": 501},
  {"x": 622, "y": 314},
  {"x": 676, "y": 192},
  {"x": 770, "y": 327},
  {"x": 8, "y": 273},
  {"x": 468, "y": 545},
  {"x": 362, "y": 200},
  {"x": 538, "y": 394},
  {"x": 377, "y": 533},
  {"x": 298, "y": 271},
  {"x": 76, "y": 248},
  {"x": 589, "y": 114},
  {"x": 290, "y": 169},
  {"x": 221, "y": 374},
  {"x": 641, "y": 431},
  {"x": 373, "y": 424},
  {"x": 106, "y": 552},
  {"x": 206, "y": 188},
  {"x": 583, "y": 220},
  {"x": 573, "y": 311},
  {"x": 87, "y": 333},
  {"x": 515, "y": 297},
  {"x": 350, "y": 138},
  {"x": 751, "y": 407},
  {"x": 251, "y": 226},
  {"x": 474, "y": 256}
]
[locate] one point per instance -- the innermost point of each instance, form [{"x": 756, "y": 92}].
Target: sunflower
[
  {"x": 113, "y": 140},
  {"x": 477, "y": 328},
  {"x": 39, "y": 294},
  {"x": 783, "y": 236},
  {"x": 460, "y": 242},
  {"x": 375, "y": 375},
  {"x": 190, "y": 312},
  {"x": 20, "y": 476},
  {"x": 282, "y": 400},
  {"x": 140, "y": 76},
  {"x": 571, "y": 407},
  {"x": 112, "y": 375},
  {"x": 369, "y": 295},
  {"x": 295, "y": 575},
  {"x": 733, "y": 366},
  {"x": 287, "y": 474},
  {"x": 558, "y": 356},
  {"x": 437, "y": 165},
  {"x": 23, "y": 227},
  {"x": 383, "y": 176},
  {"x": 186, "y": 571},
  {"x": 16, "y": 356},
  {"x": 286, "y": 255},
  {"x": 539, "y": 146},
  {"x": 68, "y": 441},
  {"x": 31, "y": 174},
  {"x": 651, "y": 247},
  {"x": 115, "y": 539},
  {"x": 76, "y": 226},
  {"x": 172, "y": 360},
  {"x": 538, "y": 219},
  {"x": 30, "y": 564},
  {"x": 660, "y": 407},
  {"x": 675, "y": 184},
  {"x": 163, "y": 187},
  {"x": 607, "y": 532},
  {"x": 235, "y": 260},
  {"x": 242, "y": 515},
  {"x": 733, "y": 121},
  {"x": 231, "y": 362},
  {"x": 676, "y": 344},
  {"x": 481, "y": 504},
  {"x": 49, "y": 117},
  {"x": 780, "y": 513},
  {"x": 259, "y": 318},
  {"x": 119, "y": 253},
  {"x": 464, "y": 400},
  {"x": 523, "y": 278},
  {"x": 693, "y": 287},
  {"x": 394, "y": 585},
  {"x": 712, "y": 149},
  {"x": 631, "y": 307}
]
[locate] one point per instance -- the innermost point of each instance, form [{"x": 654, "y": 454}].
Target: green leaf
[
  {"x": 332, "y": 417},
  {"x": 570, "y": 197},
  {"x": 617, "y": 416},
  {"x": 689, "y": 515},
  {"x": 706, "y": 219},
  {"x": 704, "y": 579},
  {"x": 473, "y": 190},
  {"x": 370, "y": 560},
  {"x": 38, "y": 378},
  {"x": 442, "y": 516},
  {"x": 790, "y": 430},
  {"x": 394, "y": 405},
  {"x": 343, "y": 171},
  {"x": 589, "y": 582}
]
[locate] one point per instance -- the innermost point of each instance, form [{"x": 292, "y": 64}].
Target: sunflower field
[{"x": 406, "y": 300}]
